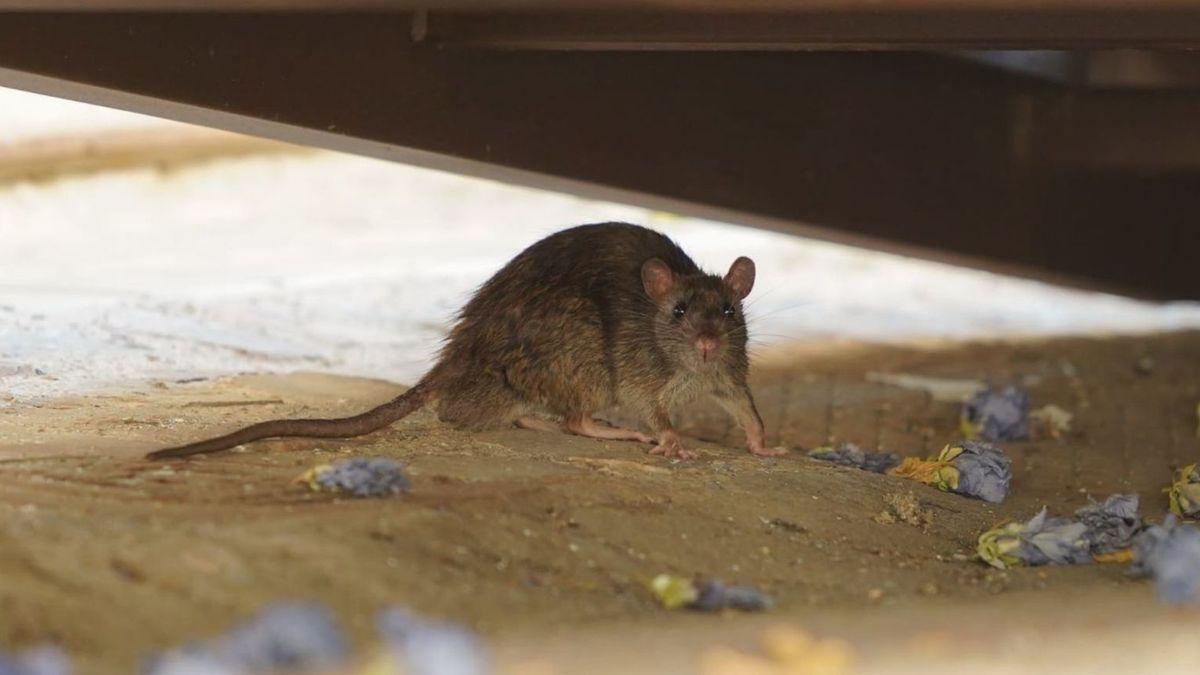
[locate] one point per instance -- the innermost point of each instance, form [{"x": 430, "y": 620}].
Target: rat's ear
[
  {"x": 741, "y": 277},
  {"x": 657, "y": 279}
]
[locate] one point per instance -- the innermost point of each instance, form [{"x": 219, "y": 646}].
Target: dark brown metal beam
[
  {"x": 748, "y": 24},
  {"x": 781, "y": 6},
  {"x": 912, "y": 152},
  {"x": 881, "y": 27}
]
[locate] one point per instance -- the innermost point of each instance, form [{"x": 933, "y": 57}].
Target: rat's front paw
[
  {"x": 768, "y": 452},
  {"x": 673, "y": 449}
]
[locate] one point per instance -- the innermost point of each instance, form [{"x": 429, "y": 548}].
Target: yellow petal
[
  {"x": 673, "y": 592},
  {"x": 1125, "y": 555}
]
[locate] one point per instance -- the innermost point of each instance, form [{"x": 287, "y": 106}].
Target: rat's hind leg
[
  {"x": 584, "y": 425},
  {"x": 478, "y": 403}
]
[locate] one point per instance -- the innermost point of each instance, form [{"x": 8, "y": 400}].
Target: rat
[{"x": 585, "y": 319}]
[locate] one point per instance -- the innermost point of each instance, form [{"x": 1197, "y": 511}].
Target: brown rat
[{"x": 585, "y": 319}]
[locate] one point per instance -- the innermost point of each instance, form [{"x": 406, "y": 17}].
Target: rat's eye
[
  {"x": 728, "y": 311},
  {"x": 680, "y": 310}
]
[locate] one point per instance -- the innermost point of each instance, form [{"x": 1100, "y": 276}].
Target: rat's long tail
[{"x": 342, "y": 427}]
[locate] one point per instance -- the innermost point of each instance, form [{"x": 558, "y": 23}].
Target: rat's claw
[
  {"x": 673, "y": 450},
  {"x": 769, "y": 452}
]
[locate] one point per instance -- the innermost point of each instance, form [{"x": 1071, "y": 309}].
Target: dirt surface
[{"x": 544, "y": 542}]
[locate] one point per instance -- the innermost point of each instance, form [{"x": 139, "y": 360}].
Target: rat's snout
[{"x": 707, "y": 346}]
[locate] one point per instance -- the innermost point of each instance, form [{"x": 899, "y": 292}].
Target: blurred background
[{"x": 132, "y": 248}]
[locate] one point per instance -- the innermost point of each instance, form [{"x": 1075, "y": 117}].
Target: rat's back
[
  {"x": 545, "y": 326},
  {"x": 588, "y": 260}
]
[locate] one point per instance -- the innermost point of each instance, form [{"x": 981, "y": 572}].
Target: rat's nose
[{"x": 707, "y": 346}]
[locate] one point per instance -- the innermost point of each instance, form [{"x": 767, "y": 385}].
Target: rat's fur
[{"x": 583, "y": 320}]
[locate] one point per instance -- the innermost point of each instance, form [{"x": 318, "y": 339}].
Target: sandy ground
[{"x": 543, "y": 542}]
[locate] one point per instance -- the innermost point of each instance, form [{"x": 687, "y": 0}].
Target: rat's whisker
[{"x": 778, "y": 310}]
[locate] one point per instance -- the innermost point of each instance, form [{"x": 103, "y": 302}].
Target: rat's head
[{"x": 699, "y": 319}]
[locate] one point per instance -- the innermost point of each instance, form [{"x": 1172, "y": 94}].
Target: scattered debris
[
  {"x": 1099, "y": 532},
  {"x": 186, "y": 661},
  {"x": 784, "y": 524},
  {"x": 786, "y": 650},
  {"x": 849, "y": 454},
  {"x": 1122, "y": 556},
  {"x": 904, "y": 508},
  {"x": 429, "y": 648},
  {"x": 360, "y": 477},
  {"x": 1041, "y": 541},
  {"x": 288, "y": 637},
  {"x": 715, "y": 596},
  {"x": 1184, "y": 493},
  {"x": 38, "y": 661},
  {"x": 939, "y": 388},
  {"x": 996, "y": 415},
  {"x": 1198, "y": 420},
  {"x": 1052, "y": 421},
  {"x": 281, "y": 637},
  {"x": 1170, "y": 554},
  {"x": 706, "y": 595},
  {"x": 674, "y": 592},
  {"x": 1111, "y": 524},
  {"x": 970, "y": 468}
]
